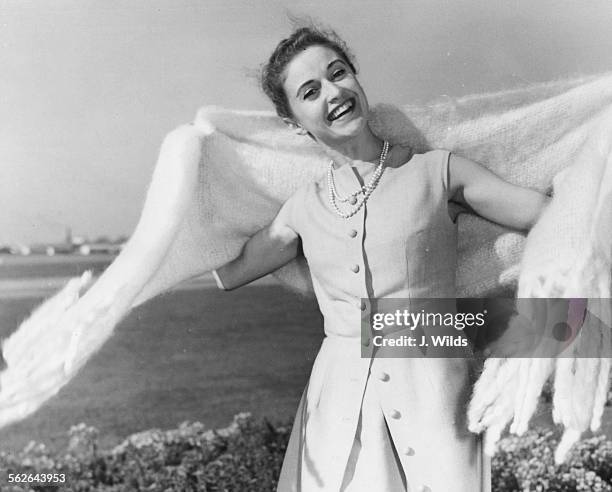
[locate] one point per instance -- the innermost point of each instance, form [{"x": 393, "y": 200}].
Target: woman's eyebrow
[
  {"x": 310, "y": 81},
  {"x": 302, "y": 86}
]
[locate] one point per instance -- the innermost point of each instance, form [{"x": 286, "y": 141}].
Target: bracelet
[{"x": 218, "y": 280}]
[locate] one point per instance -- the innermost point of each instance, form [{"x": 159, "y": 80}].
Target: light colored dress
[{"x": 381, "y": 424}]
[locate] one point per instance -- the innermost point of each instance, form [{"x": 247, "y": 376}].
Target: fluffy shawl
[{"x": 197, "y": 217}]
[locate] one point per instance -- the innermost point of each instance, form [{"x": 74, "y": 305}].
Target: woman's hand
[
  {"x": 488, "y": 195},
  {"x": 266, "y": 251}
]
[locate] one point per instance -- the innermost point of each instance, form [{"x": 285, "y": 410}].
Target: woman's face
[{"x": 325, "y": 96}]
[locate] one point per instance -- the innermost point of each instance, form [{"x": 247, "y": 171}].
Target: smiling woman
[{"x": 378, "y": 225}]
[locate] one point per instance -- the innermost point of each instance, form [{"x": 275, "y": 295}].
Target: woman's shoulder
[
  {"x": 303, "y": 191},
  {"x": 430, "y": 166},
  {"x": 295, "y": 206},
  {"x": 405, "y": 157},
  {"x": 435, "y": 154},
  {"x": 433, "y": 159}
]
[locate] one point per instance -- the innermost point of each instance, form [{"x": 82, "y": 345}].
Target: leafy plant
[{"x": 247, "y": 456}]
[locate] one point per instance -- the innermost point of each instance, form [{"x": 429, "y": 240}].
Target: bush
[
  {"x": 526, "y": 464},
  {"x": 247, "y": 456}
]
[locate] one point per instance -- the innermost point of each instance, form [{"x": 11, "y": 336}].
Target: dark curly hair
[{"x": 287, "y": 49}]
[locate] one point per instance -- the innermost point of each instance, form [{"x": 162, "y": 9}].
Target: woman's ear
[{"x": 295, "y": 127}]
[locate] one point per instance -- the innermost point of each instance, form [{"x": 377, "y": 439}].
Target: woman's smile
[{"x": 346, "y": 108}]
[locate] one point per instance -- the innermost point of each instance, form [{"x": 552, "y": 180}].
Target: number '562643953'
[{"x": 36, "y": 477}]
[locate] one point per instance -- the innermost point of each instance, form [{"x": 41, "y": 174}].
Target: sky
[{"x": 89, "y": 88}]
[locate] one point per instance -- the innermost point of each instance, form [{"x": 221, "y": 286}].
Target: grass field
[{"x": 189, "y": 355}]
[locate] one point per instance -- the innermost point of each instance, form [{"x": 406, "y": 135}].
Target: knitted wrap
[{"x": 198, "y": 218}]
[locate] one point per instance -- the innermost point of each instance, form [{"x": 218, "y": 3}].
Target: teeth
[{"x": 340, "y": 109}]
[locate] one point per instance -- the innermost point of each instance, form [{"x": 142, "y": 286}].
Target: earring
[{"x": 295, "y": 127}]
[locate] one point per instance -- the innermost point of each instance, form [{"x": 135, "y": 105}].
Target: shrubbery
[
  {"x": 526, "y": 463},
  {"x": 247, "y": 456}
]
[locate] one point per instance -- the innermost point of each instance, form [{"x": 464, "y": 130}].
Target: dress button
[
  {"x": 363, "y": 305},
  {"x": 409, "y": 451},
  {"x": 383, "y": 376},
  {"x": 395, "y": 414},
  {"x": 353, "y": 233},
  {"x": 355, "y": 268},
  {"x": 353, "y": 200}
]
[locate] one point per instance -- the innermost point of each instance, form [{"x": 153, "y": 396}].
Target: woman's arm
[
  {"x": 266, "y": 251},
  {"x": 488, "y": 195}
]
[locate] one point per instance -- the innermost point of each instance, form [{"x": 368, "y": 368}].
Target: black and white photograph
[{"x": 304, "y": 246}]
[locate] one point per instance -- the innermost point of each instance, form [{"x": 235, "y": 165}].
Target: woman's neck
[{"x": 365, "y": 148}]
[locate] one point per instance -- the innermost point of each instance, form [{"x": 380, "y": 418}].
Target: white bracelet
[{"x": 218, "y": 280}]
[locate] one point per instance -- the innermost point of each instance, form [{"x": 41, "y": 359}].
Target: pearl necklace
[{"x": 366, "y": 190}]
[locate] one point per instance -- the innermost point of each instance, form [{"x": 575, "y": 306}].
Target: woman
[{"x": 380, "y": 224}]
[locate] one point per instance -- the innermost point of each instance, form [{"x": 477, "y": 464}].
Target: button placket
[
  {"x": 366, "y": 334},
  {"x": 355, "y": 231},
  {"x": 356, "y": 223}
]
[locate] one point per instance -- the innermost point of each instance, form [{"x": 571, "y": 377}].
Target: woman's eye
[
  {"x": 309, "y": 93},
  {"x": 338, "y": 73}
]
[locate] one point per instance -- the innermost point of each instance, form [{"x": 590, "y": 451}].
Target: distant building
[
  {"x": 71, "y": 245},
  {"x": 10, "y": 249},
  {"x": 100, "y": 248},
  {"x": 22, "y": 249},
  {"x": 50, "y": 249}
]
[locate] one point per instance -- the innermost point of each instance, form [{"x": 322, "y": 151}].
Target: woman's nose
[{"x": 332, "y": 91}]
